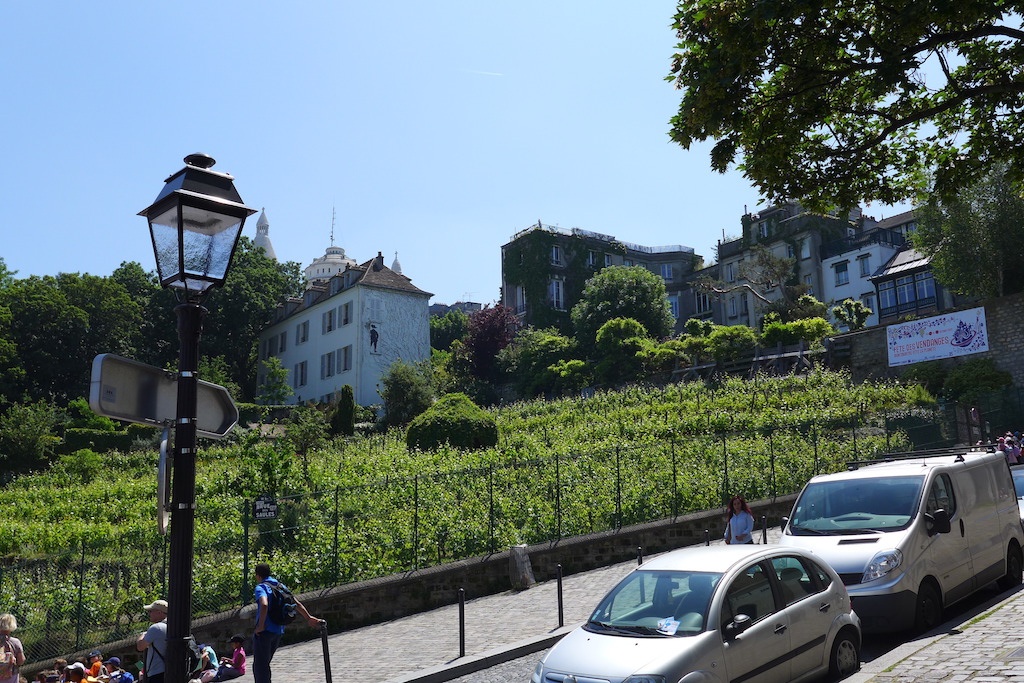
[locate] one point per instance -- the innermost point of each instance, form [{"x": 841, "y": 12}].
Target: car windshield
[
  {"x": 1018, "y": 480},
  {"x": 856, "y": 506},
  {"x": 656, "y": 604}
]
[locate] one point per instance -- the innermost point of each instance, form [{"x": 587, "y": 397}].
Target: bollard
[
  {"x": 707, "y": 537},
  {"x": 764, "y": 529},
  {"x": 639, "y": 555},
  {"x": 561, "y": 613},
  {"x": 462, "y": 622}
]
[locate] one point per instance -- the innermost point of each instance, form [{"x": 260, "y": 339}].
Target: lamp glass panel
[
  {"x": 164, "y": 230},
  {"x": 206, "y": 245},
  {"x": 209, "y": 240}
]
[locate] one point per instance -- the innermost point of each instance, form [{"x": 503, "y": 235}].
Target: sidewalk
[{"x": 424, "y": 648}]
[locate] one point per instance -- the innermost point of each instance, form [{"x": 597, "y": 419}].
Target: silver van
[{"x": 913, "y": 534}]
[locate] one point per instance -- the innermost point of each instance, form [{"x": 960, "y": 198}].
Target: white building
[
  {"x": 351, "y": 324},
  {"x": 848, "y": 264}
]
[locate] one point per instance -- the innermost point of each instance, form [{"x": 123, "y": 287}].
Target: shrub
[
  {"x": 969, "y": 380},
  {"x": 343, "y": 416},
  {"x": 406, "y": 391},
  {"x": 931, "y": 375},
  {"x": 454, "y": 420},
  {"x": 732, "y": 343}
]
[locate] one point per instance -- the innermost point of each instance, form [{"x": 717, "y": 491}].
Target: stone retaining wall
[{"x": 869, "y": 358}]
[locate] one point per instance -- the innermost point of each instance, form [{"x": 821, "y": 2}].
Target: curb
[{"x": 473, "y": 663}]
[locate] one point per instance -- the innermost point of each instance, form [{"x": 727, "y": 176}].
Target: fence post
[
  {"x": 558, "y": 497},
  {"x": 771, "y": 457},
  {"x": 416, "y": 522},
  {"x": 337, "y": 526},
  {"x": 618, "y": 489},
  {"x": 725, "y": 472},
  {"x": 81, "y": 589},
  {"x": 490, "y": 508},
  {"x": 244, "y": 585},
  {"x": 675, "y": 482},
  {"x": 814, "y": 439}
]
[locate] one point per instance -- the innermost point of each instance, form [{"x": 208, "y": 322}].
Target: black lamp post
[{"x": 195, "y": 224}]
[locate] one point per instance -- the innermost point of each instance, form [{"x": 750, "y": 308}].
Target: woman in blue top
[{"x": 739, "y": 527}]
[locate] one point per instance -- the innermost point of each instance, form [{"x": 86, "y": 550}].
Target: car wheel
[
  {"x": 929, "y": 608},
  {"x": 845, "y": 655},
  {"x": 1014, "y": 569}
]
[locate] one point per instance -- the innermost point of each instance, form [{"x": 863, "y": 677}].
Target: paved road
[{"x": 507, "y": 634}]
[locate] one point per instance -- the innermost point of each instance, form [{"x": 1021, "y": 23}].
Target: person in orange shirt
[{"x": 95, "y": 664}]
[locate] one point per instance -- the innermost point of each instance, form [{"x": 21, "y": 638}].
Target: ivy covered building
[{"x": 544, "y": 269}]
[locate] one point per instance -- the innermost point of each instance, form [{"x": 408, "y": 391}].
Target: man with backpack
[{"x": 275, "y": 607}]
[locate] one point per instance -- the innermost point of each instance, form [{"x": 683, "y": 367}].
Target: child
[{"x": 230, "y": 667}]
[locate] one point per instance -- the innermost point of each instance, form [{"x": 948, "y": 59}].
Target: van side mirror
[
  {"x": 739, "y": 624},
  {"x": 938, "y": 522}
]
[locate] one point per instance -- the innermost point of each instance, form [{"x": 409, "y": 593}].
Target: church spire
[{"x": 263, "y": 236}]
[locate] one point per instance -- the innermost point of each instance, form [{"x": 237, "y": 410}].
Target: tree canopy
[
  {"x": 834, "y": 103},
  {"x": 976, "y": 240},
  {"x": 622, "y": 292}
]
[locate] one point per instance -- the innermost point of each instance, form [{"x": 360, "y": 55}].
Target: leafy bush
[
  {"x": 406, "y": 391},
  {"x": 453, "y": 420},
  {"x": 99, "y": 440},
  {"x": 932, "y": 375},
  {"x": 732, "y": 343},
  {"x": 27, "y": 435},
  {"x": 969, "y": 380}
]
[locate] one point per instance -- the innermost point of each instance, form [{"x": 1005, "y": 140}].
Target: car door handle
[
  {"x": 780, "y": 628},
  {"x": 825, "y": 606}
]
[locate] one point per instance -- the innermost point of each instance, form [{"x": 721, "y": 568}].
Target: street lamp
[{"x": 195, "y": 224}]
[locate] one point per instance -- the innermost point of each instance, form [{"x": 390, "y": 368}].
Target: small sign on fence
[{"x": 265, "y": 507}]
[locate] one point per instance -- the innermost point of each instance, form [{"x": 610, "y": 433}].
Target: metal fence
[{"x": 92, "y": 595}]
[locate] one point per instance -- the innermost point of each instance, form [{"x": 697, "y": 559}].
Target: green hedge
[{"x": 454, "y": 420}]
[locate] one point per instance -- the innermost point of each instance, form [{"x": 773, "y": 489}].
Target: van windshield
[{"x": 856, "y": 506}]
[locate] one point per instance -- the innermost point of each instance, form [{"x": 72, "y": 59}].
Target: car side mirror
[
  {"x": 938, "y": 522},
  {"x": 739, "y": 624}
]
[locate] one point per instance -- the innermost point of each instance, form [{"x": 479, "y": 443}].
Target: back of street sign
[{"x": 124, "y": 389}]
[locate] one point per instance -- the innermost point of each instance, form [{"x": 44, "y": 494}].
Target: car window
[
  {"x": 749, "y": 593},
  {"x": 796, "y": 580},
  {"x": 940, "y": 496},
  {"x": 656, "y": 603},
  {"x": 1018, "y": 480}
]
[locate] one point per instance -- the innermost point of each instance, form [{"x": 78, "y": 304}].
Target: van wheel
[
  {"x": 845, "y": 659},
  {"x": 1014, "y": 569},
  {"x": 929, "y": 608}
]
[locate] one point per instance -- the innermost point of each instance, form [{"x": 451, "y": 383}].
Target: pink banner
[{"x": 942, "y": 336}]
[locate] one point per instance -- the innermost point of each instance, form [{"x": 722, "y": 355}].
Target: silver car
[{"x": 746, "y": 613}]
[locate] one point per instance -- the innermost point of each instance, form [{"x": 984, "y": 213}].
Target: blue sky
[{"x": 436, "y": 130}]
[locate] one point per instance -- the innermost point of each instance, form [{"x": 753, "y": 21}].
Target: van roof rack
[{"x": 913, "y": 455}]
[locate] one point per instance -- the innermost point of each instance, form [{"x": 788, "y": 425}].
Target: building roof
[
  {"x": 898, "y": 219},
  {"x": 907, "y": 260},
  {"x": 376, "y": 274}
]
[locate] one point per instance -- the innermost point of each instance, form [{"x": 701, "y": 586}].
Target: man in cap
[{"x": 154, "y": 641}]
